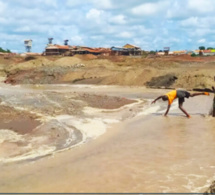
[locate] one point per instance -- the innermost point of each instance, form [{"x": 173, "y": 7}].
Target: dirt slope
[{"x": 172, "y": 71}]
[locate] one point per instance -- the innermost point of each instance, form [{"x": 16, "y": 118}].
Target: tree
[
  {"x": 5, "y": 51},
  {"x": 209, "y": 48},
  {"x": 152, "y": 52},
  {"x": 201, "y": 47}
]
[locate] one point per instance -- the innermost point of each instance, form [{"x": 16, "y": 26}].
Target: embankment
[{"x": 164, "y": 72}]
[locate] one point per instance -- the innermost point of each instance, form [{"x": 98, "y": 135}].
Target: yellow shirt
[{"x": 171, "y": 96}]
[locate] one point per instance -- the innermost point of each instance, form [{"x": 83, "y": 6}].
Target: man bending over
[{"x": 180, "y": 94}]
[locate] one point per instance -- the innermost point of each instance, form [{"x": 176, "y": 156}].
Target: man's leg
[
  {"x": 202, "y": 93},
  {"x": 180, "y": 105}
]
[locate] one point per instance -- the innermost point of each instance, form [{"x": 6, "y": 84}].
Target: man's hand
[
  {"x": 167, "y": 110},
  {"x": 153, "y": 102}
]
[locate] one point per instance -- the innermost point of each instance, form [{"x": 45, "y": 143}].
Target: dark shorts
[{"x": 181, "y": 95}]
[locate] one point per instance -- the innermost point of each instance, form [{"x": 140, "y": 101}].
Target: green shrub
[{"x": 193, "y": 55}]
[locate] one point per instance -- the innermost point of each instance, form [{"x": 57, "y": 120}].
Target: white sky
[{"x": 150, "y": 24}]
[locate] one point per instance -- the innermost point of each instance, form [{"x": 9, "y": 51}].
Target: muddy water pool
[{"x": 129, "y": 149}]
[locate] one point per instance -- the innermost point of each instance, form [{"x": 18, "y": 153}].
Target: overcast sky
[{"x": 150, "y": 24}]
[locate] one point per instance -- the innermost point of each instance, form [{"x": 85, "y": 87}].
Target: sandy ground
[{"x": 144, "y": 153}]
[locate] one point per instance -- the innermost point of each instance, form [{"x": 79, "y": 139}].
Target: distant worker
[{"x": 180, "y": 94}]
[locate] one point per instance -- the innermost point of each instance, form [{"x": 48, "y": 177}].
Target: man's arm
[
  {"x": 157, "y": 99},
  {"x": 167, "y": 110}
]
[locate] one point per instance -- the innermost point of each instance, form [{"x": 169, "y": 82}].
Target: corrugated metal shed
[
  {"x": 129, "y": 46},
  {"x": 119, "y": 49},
  {"x": 57, "y": 47}
]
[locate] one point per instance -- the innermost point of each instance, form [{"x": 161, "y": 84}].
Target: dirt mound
[
  {"x": 27, "y": 65},
  {"x": 195, "y": 79},
  {"x": 28, "y": 58},
  {"x": 67, "y": 61},
  {"x": 100, "y": 63},
  {"x": 117, "y": 58},
  {"x": 170, "y": 72},
  {"x": 86, "y": 56},
  {"x": 162, "y": 81},
  {"x": 186, "y": 80}
]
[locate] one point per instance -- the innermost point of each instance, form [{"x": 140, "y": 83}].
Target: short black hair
[{"x": 164, "y": 97}]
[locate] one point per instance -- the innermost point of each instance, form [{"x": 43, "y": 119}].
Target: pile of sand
[
  {"x": 67, "y": 62},
  {"x": 86, "y": 56},
  {"x": 195, "y": 79},
  {"x": 28, "y": 65}
]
